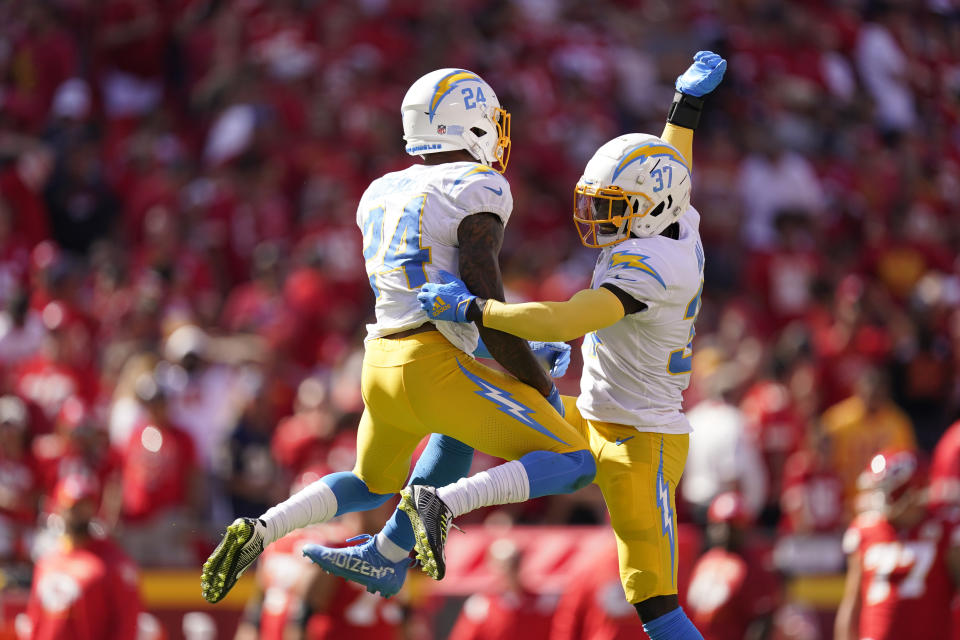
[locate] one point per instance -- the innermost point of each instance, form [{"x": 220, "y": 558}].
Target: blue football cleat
[{"x": 362, "y": 564}]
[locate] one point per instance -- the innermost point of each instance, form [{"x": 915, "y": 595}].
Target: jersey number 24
[{"x": 403, "y": 252}]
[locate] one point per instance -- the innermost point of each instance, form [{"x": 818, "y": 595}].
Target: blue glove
[
  {"x": 447, "y": 300},
  {"x": 554, "y": 399},
  {"x": 556, "y": 355},
  {"x": 704, "y": 74}
]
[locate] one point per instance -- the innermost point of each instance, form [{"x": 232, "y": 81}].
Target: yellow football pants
[
  {"x": 638, "y": 472},
  {"x": 422, "y": 384}
]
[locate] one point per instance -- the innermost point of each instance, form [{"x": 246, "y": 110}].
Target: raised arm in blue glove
[
  {"x": 704, "y": 74},
  {"x": 697, "y": 81}
]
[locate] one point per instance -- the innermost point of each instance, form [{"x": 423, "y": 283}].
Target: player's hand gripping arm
[
  {"x": 480, "y": 237},
  {"x": 698, "y": 80},
  {"x": 588, "y": 310},
  {"x": 848, "y": 614}
]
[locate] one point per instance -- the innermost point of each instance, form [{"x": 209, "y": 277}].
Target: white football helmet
[
  {"x": 452, "y": 109},
  {"x": 635, "y": 184}
]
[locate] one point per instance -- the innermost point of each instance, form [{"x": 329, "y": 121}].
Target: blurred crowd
[{"x": 181, "y": 279}]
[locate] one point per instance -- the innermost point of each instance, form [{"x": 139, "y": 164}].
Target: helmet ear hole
[
  {"x": 477, "y": 131},
  {"x": 658, "y": 209}
]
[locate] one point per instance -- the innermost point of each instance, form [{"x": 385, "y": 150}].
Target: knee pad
[
  {"x": 586, "y": 468},
  {"x": 352, "y": 493}
]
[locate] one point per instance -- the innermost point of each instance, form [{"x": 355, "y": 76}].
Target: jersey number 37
[
  {"x": 403, "y": 252},
  {"x": 681, "y": 360}
]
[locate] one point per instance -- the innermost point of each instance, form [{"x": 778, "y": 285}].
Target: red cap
[
  {"x": 75, "y": 487},
  {"x": 729, "y": 507}
]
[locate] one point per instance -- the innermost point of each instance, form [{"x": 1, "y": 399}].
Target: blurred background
[{"x": 183, "y": 295}]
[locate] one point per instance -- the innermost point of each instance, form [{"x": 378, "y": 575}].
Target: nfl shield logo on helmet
[{"x": 441, "y": 129}]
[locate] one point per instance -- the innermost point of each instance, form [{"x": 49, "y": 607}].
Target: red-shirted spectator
[
  {"x": 78, "y": 446},
  {"x": 903, "y": 560},
  {"x": 46, "y": 55},
  {"x": 21, "y": 331},
  {"x": 161, "y": 484},
  {"x": 593, "y": 606},
  {"x": 168, "y": 259},
  {"x": 258, "y": 306},
  {"x": 64, "y": 366},
  {"x": 86, "y": 589},
  {"x": 775, "y": 424},
  {"x": 307, "y": 436},
  {"x": 783, "y": 276},
  {"x": 14, "y": 253},
  {"x": 732, "y": 592},
  {"x": 945, "y": 468},
  {"x": 812, "y": 497},
  {"x": 21, "y": 187},
  {"x": 510, "y": 610},
  {"x": 19, "y": 483},
  {"x": 130, "y": 42}
]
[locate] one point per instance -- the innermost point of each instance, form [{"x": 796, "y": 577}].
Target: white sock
[
  {"x": 313, "y": 504},
  {"x": 390, "y": 549},
  {"x": 500, "y": 485}
]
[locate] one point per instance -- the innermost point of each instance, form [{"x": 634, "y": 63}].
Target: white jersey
[
  {"x": 409, "y": 221},
  {"x": 635, "y": 371}
]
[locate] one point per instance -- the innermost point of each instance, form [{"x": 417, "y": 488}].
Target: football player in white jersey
[
  {"x": 633, "y": 203},
  {"x": 419, "y": 376}
]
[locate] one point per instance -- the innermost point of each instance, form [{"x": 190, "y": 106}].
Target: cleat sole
[
  {"x": 428, "y": 561},
  {"x": 215, "y": 573}
]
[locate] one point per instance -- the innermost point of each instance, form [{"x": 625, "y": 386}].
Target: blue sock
[
  {"x": 672, "y": 626},
  {"x": 550, "y": 473},
  {"x": 443, "y": 461},
  {"x": 352, "y": 493}
]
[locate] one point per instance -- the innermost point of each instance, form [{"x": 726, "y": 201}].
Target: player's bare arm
[
  {"x": 845, "y": 626},
  {"x": 480, "y": 237}
]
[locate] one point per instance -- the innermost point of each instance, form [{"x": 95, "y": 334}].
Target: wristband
[
  {"x": 475, "y": 310},
  {"x": 685, "y": 110}
]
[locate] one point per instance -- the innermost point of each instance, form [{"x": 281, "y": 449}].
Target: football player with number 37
[
  {"x": 419, "y": 376},
  {"x": 632, "y": 203}
]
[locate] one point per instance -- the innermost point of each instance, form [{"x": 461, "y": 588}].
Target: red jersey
[
  {"x": 19, "y": 484},
  {"x": 594, "y": 606},
  {"x": 945, "y": 468},
  {"x": 906, "y": 589},
  {"x": 728, "y": 591},
  {"x": 85, "y": 593},
  {"x": 504, "y": 616},
  {"x": 48, "y": 384},
  {"x": 812, "y": 497},
  {"x": 56, "y": 458},
  {"x": 353, "y": 613},
  {"x": 157, "y": 466}
]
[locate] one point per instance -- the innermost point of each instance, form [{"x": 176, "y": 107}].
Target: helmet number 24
[{"x": 470, "y": 100}]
